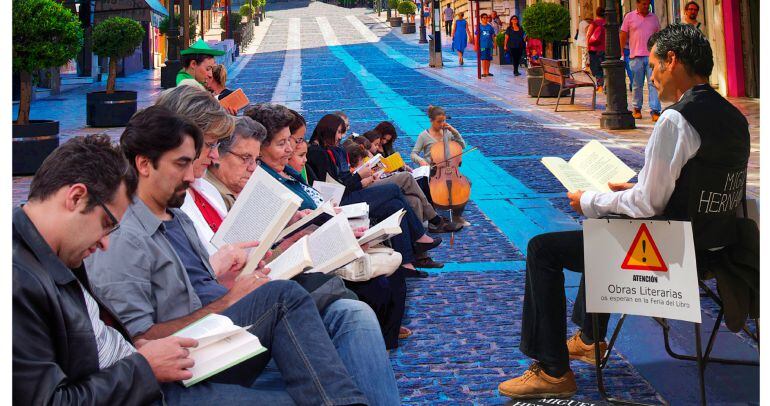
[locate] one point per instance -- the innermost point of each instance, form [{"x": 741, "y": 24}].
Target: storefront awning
[{"x": 157, "y": 6}]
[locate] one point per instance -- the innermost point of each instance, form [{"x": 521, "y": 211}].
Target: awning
[{"x": 157, "y": 6}]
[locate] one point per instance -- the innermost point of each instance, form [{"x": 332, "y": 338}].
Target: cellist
[{"x": 421, "y": 151}]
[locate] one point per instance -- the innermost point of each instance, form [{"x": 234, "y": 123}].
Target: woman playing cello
[{"x": 439, "y": 131}]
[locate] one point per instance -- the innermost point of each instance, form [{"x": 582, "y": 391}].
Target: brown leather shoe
[
  {"x": 637, "y": 114},
  {"x": 655, "y": 116},
  {"x": 581, "y": 351},
  {"x": 535, "y": 383}
]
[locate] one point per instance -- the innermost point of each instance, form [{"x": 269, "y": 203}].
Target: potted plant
[
  {"x": 548, "y": 22},
  {"x": 407, "y": 8},
  {"x": 235, "y": 25},
  {"x": 502, "y": 57},
  {"x": 38, "y": 46},
  {"x": 246, "y": 10},
  {"x": 114, "y": 38},
  {"x": 395, "y": 21}
]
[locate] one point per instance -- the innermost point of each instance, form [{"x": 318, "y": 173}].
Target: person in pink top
[{"x": 638, "y": 26}]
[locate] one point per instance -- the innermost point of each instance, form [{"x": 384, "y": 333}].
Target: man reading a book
[
  {"x": 698, "y": 144},
  {"x": 155, "y": 262}
]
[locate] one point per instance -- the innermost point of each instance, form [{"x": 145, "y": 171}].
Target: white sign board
[{"x": 639, "y": 267}]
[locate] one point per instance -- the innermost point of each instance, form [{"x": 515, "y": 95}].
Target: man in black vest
[{"x": 695, "y": 169}]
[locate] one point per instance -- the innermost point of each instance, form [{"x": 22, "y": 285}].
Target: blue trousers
[
  {"x": 640, "y": 66},
  {"x": 383, "y": 201},
  {"x": 387, "y": 297}
]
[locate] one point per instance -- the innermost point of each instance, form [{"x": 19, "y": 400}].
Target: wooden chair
[{"x": 555, "y": 71}]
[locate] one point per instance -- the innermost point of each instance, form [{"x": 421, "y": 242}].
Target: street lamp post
[
  {"x": 173, "y": 64},
  {"x": 423, "y": 38},
  {"x": 616, "y": 115}
]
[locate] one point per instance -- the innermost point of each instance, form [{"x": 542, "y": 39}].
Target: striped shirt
[{"x": 110, "y": 344}]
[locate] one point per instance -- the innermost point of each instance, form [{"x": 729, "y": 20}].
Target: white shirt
[
  {"x": 110, "y": 344},
  {"x": 204, "y": 231},
  {"x": 582, "y": 31},
  {"x": 672, "y": 143}
]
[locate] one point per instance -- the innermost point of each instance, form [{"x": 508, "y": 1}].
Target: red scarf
[{"x": 210, "y": 214}]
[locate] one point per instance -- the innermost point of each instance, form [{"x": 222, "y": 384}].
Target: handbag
[{"x": 378, "y": 260}]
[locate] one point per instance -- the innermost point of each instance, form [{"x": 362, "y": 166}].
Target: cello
[{"x": 449, "y": 189}]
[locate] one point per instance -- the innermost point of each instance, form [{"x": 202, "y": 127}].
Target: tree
[
  {"x": 407, "y": 8},
  {"x": 191, "y": 25},
  {"x": 393, "y": 4},
  {"x": 548, "y": 22},
  {"x": 45, "y": 35},
  {"x": 116, "y": 37},
  {"x": 246, "y": 10}
]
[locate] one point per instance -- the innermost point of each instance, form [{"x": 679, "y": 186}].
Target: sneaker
[
  {"x": 535, "y": 383},
  {"x": 655, "y": 116},
  {"x": 637, "y": 114},
  {"x": 445, "y": 226},
  {"x": 581, "y": 351}
]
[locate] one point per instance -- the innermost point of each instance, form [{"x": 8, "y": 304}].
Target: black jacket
[
  {"x": 55, "y": 359},
  {"x": 320, "y": 162}
]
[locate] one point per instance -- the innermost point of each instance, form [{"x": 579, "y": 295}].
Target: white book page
[
  {"x": 325, "y": 207},
  {"x": 333, "y": 245},
  {"x": 291, "y": 262},
  {"x": 567, "y": 175},
  {"x": 209, "y": 329},
  {"x": 359, "y": 222},
  {"x": 371, "y": 163},
  {"x": 599, "y": 165},
  {"x": 355, "y": 210},
  {"x": 389, "y": 227},
  {"x": 421, "y": 172},
  {"x": 329, "y": 191},
  {"x": 223, "y": 354},
  {"x": 330, "y": 179}
]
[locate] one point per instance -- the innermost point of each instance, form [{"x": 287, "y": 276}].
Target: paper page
[
  {"x": 599, "y": 165},
  {"x": 568, "y": 176},
  {"x": 393, "y": 162},
  {"x": 259, "y": 214},
  {"x": 333, "y": 245},
  {"x": 291, "y": 262},
  {"x": 387, "y": 228},
  {"x": 358, "y": 222},
  {"x": 223, "y": 354},
  {"x": 329, "y": 191},
  {"x": 236, "y": 100},
  {"x": 330, "y": 179},
  {"x": 355, "y": 210},
  {"x": 421, "y": 172},
  {"x": 325, "y": 207},
  {"x": 371, "y": 163},
  {"x": 209, "y": 329}
]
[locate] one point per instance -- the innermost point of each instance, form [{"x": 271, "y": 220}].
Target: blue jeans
[
  {"x": 626, "y": 58},
  {"x": 287, "y": 322},
  {"x": 383, "y": 201},
  {"x": 640, "y": 66}
]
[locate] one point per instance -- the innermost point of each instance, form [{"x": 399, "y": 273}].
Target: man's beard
[{"x": 177, "y": 199}]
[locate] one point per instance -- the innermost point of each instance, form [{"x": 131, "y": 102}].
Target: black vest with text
[{"x": 712, "y": 184}]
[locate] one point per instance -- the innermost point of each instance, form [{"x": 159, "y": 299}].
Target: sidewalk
[{"x": 512, "y": 90}]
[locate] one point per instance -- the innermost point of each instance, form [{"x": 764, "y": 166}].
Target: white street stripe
[
  {"x": 288, "y": 90},
  {"x": 363, "y": 29},
  {"x": 328, "y": 33}
]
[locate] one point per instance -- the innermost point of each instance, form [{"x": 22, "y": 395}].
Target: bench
[{"x": 556, "y": 71}]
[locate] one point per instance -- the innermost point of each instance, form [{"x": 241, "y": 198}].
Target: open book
[
  {"x": 375, "y": 163},
  {"x": 421, "y": 172},
  {"x": 237, "y": 100},
  {"x": 393, "y": 162},
  {"x": 383, "y": 230},
  {"x": 589, "y": 169},
  {"x": 326, "y": 208},
  {"x": 330, "y": 191},
  {"x": 262, "y": 210},
  {"x": 221, "y": 345},
  {"x": 356, "y": 210},
  {"x": 329, "y": 247}
]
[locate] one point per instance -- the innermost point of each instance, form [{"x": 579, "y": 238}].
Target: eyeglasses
[
  {"x": 212, "y": 145},
  {"x": 247, "y": 159},
  {"x": 113, "y": 220}
]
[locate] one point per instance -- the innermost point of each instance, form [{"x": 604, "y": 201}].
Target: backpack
[{"x": 597, "y": 37}]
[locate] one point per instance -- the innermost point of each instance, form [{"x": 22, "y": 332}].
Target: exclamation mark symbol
[{"x": 644, "y": 250}]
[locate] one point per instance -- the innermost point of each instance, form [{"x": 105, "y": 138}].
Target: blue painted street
[{"x": 466, "y": 317}]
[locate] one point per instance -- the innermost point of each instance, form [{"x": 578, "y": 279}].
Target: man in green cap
[{"x": 197, "y": 62}]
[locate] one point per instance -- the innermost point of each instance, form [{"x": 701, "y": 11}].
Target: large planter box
[
  {"x": 32, "y": 143},
  {"x": 408, "y": 28},
  {"x": 395, "y": 21},
  {"x": 110, "y": 110},
  {"x": 535, "y": 77},
  {"x": 502, "y": 57}
]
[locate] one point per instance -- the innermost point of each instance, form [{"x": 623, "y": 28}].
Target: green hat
[{"x": 202, "y": 48}]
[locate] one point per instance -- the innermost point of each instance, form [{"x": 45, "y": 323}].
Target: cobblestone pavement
[{"x": 318, "y": 59}]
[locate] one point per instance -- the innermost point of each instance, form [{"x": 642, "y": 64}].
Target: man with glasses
[{"x": 691, "y": 11}]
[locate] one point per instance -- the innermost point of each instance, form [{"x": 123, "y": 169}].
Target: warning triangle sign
[{"x": 643, "y": 254}]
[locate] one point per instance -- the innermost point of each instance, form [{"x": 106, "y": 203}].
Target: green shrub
[
  {"x": 235, "y": 22},
  {"x": 407, "y": 8},
  {"x": 500, "y": 40},
  {"x": 45, "y": 35},
  {"x": 191, "y": 25},
  {"x": 393, "y": 4},
  {"x": 115, "y": 38},
  {"x": 246, "y": 10},
  {"x": 548, "y": 22}
]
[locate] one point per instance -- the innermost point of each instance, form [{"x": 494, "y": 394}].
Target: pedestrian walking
[
  {"x": 494, "y": 21},
  {"x": 638, "y": 26},
  {"x": 596, "y": 46},
  {"x": 691, "y": 11},
  {"x": 514, "y": 43},
  {"x": 461, "y": 33},
  {"x": 580, "y": 41},
  {"x": 449, "y": 16},
  {"x": 486, "y": 36}
]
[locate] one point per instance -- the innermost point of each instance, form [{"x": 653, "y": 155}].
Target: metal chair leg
[
  {"x": 558, "y": 98},
  {"x": 539, "y": 92},
  {"x": 701, "y": 365}
]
